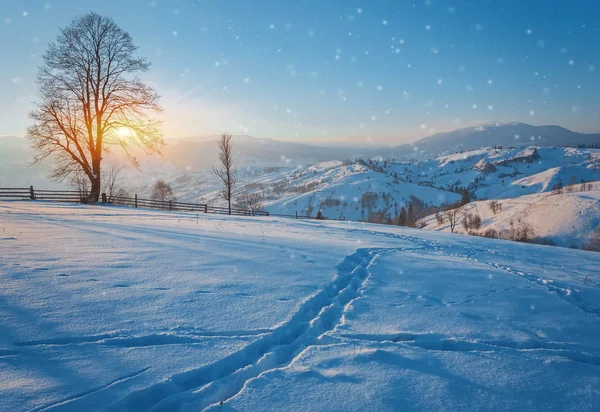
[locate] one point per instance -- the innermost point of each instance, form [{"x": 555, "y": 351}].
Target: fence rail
[{"x": 74, "y": 196}]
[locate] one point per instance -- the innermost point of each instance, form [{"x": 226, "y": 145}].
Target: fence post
[
  {"x": 267, "y": 213},
  {"x": 170, "y": 205},
  {"x": 206, "y": 208},
  {"x": 104, "y": 198},
  {"x": 31, "y": 193},
  {"x": 135, "y": 204},
  {"x": 296, "y": 214}
]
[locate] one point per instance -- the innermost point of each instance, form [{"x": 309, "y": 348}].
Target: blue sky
[{"x": 383, "y": 71}]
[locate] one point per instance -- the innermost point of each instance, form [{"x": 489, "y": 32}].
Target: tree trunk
[
  {"x": 95, "y": 189},
  {"x": 229, "y": 202}
]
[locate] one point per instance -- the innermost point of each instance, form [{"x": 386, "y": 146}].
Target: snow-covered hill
[
  {"x": 111, "y": 308},
  {"x": 501, "y": 173},
  {"x": 359, "y": 190},
  {"x": 566, "y": 219}
]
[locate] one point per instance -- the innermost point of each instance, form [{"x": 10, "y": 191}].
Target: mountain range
[{"x": 250, "y": 151}]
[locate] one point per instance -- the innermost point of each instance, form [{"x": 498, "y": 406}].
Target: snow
[
  {"x": 128, "y": 309},
  {"x": 566, "y": 219}
]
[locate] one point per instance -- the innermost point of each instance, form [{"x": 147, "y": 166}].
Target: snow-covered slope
[
  {"x": 567, "y": 219},
  {"x": 377, "y": 189},
  {"x": 108, "y": 308},
  {"x": 501, "y": 173}
]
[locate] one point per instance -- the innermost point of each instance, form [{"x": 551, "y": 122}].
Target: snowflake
[
  {"x": 529, "y": 31},
  {"x": 427, "y": 27},
  {"x": 25, "y": 14}
]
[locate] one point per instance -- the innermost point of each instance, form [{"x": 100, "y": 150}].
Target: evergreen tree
[
  {"x": 402, "y": 217},
  {"x": 410, "y": 215}
]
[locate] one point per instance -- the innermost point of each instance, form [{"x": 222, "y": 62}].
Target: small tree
[
  {"x": 402, "y": 217},
  {"x": 410, "y": 215},
  {"x": 439, "y": 218},
  {"x": 320, "y": 216},
  {"x": 593, "y": 243},
  {"x": 557, "y": 189},
  {"x": 495, "y": 206},
  {"x": 452, "y": 217},
  {"x": 471, "y": 221},
  {"x": 571, "y": 186},
  {"x": 226, "y": 173},
  {"x": 113, "y": 182},
  {"x": 80, "y": 182},
  {"x": 250, "y": 202},
  {"x": 162, "y": 191}
]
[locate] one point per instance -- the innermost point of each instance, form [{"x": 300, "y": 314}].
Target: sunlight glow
[{"x": 124, "y": 132}]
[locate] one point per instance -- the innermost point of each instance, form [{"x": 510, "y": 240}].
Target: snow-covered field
[{"x": 121, "y": 309}]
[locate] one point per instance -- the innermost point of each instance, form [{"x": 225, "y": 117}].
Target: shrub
[{"x": 495, "y": 206}]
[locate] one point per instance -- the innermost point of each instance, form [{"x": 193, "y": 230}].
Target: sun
[{"x": 124, "y": 132}]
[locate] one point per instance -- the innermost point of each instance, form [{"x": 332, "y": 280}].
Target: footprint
[
  {"x": 63, "y": 275},
  {"x": 121, "y": 285},
  {"x": 245, "y": 295},
  {"x": 161, "y": 289},
  {"x": 203, "y": 292}
]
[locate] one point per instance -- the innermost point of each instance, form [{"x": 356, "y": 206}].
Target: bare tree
[
  {"x": 452, "y": 216},
  {"x": 250, "y": 202},
  {"x": 227, "y": 173},
  {"x": 162, "y": 191},
  {"x": 113, "y": 182},
  {"x": 80, "y": 182},
  {"x": 593, "y": 243},
  {"x": 90, "y": 99},
  {"x": 495, "y": 206},
  {"x": 570, "y": 188},
  {"x": 557, "y": 189}
]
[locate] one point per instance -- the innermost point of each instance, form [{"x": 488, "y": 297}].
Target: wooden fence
[{"x": 74, "y": 196}]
